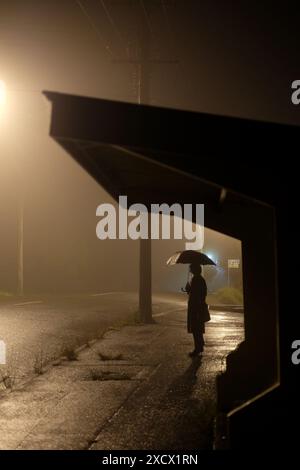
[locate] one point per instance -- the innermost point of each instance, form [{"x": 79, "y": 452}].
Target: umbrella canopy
[{"x": 189, "y": 257}]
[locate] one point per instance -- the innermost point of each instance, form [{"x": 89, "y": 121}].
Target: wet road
[{"x": 43, "y": 328}]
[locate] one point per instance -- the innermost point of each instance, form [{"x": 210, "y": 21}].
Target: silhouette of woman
[{"x": 198, "y": 312}]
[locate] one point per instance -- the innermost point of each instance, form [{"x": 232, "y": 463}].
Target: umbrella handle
[{"x": 184, "y": 289}]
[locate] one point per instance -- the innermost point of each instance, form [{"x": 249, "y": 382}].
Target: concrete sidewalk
[{"x": 134, "y": 389}]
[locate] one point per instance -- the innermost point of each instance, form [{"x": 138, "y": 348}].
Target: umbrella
[{"x": 189, "y": 257}]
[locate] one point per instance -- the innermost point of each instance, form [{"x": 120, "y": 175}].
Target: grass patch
[
  {"x": 70, "y": 353},
  {"x": 107, "y": 375},
  {"x": 109, "y": 357},
  {"x": 41, "y": 359},
  {"x": 7, "y": 378},
  {"x": 5, "y": 295},
  {"x": 229, "y": 296},
  {"x": 38, "y": 363}
]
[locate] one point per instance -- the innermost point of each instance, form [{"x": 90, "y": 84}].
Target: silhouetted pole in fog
[
  {"x": 142, "y": 60},
  {"x": 144, "y": 70},
  {"x": 145, "y": 287}
]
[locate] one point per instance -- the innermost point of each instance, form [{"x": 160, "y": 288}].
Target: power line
[
  {"x": 111, "y": 20},
  {"x": 94, "y": 27},
  {"x": 148, "y": 22},
  {"x": 165, "y": 13},
  {"x": 170, "y": 30}
]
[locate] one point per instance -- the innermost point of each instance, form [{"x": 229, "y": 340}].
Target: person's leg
[
  {"x": 198, "y": 341},
  {"x": 201, "y": 342}
]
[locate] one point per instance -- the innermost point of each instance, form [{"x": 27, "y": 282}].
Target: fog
[
  {"x": 61, "y": 250},
  {"x": 61, "y": 47}
]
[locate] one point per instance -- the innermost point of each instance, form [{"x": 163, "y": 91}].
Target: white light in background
[{"x": 211, "y": 256}]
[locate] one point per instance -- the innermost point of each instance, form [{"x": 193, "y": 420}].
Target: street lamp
[
  {"x": 2, "y": 93},
  {"x": 2, "y": 96}
]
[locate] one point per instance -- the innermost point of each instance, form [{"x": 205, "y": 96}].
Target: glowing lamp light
[{"x": 2, "y": 93}]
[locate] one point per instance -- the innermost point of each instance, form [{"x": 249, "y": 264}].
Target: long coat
[{"x": 197, "y": 308}]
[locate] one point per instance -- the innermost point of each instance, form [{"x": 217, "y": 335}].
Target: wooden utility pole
[
  {"x": 145, "y": 264},
  {"x": 143, "y": 63},
  {"x": 140, "y": 58},
  {"x": 145, "y": 288}
]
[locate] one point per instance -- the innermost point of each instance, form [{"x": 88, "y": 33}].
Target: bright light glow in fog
[
  {"x": 2, "y": 94},
  {"x": 211, "y": 256}
]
